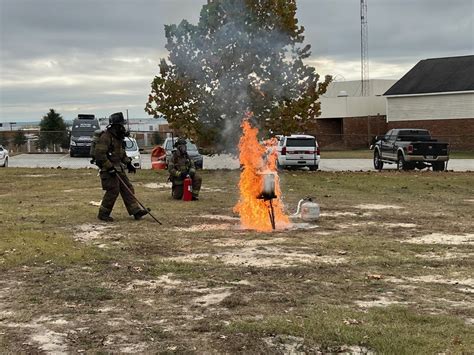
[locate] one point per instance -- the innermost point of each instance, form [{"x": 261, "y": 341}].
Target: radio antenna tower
[{"x": 364, "y": 49}]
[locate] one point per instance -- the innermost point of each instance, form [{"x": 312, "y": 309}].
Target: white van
[
  {"x": 298, "y": 150},
  {"x": 133, "y": 152}
]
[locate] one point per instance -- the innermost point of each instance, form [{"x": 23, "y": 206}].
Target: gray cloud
[{"x": 102, "y": 54}]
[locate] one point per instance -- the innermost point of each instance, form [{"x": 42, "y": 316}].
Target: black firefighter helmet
[
  {"x": 117, "y": 118},
  {"x": 180, "y": 141}
]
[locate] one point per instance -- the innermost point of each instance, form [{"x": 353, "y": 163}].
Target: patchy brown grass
[{"x": 387, "y": 269}]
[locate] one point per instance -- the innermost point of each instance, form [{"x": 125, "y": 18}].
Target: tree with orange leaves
[{"x": 241, "y": 56}]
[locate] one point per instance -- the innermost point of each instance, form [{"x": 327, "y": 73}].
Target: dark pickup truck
[{"x": 410, "y": 149}]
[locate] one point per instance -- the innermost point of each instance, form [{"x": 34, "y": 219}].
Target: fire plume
[{"x": 257, "y": 159}]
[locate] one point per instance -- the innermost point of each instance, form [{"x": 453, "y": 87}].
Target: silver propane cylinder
[{"x": 307, "y": 210}]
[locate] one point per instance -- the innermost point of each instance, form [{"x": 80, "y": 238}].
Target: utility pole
[
  {"x": 128, "y": 122},
  {"x": 364, "y": 48}
]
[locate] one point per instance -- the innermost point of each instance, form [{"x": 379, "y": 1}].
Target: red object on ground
[
  {"x": 188, "y": 189},
  {"x": 158, "y": 165},
  {"x": 158, "y": 158}
]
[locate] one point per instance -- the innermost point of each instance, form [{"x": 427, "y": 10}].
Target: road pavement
[{"x": 210, "y": 163}]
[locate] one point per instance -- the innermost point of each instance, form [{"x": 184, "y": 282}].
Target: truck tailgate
[{"x": 430, "y": 149}]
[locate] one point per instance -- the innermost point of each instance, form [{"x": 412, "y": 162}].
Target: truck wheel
[
  {"x": 378, "y": 164},
  {"x": 404, "y": 165},
  {"x": 313, "y": 167},
  {"x": 401, "y": 164},
  {"x": 438, "y": 166}
]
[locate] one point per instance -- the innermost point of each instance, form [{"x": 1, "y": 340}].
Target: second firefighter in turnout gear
[
  {"x": 112, "y": 160},
  {"x": 181, "y": 166}
]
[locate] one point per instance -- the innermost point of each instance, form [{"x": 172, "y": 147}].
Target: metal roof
[{"x": 437, "y": 75}]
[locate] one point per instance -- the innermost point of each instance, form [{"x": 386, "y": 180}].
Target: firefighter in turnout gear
[
  {"x": 112, "y": 160},
  {"x": 181, "y": 166}
]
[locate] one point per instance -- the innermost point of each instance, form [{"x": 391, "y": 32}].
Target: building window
[{"x": 151, "y": 128}]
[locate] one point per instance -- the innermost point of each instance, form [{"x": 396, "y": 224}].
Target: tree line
[{"x": 53, "y": 133}]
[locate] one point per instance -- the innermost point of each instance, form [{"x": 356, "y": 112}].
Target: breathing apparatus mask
[
  {"x": 117, "y": 125},
  {"x": 181, "y": 145}
]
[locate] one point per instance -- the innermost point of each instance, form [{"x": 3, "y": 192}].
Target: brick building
[
  {"x": 348, "y": 119},
  {"x": 436, "y": 94}
]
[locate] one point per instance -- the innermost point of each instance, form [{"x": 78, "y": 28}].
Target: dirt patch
[
  {"x": 377, "y": 207},
  {"x": 444, "y": 255},
  {"x": 288, "y": 344},
  {"x": 212, "y": 297},
  {"x": 121, "y": 343},
  {"x": 443, "y": 280},
  {"x": 219, "y": 217},
  {"x": 383, "y": 225},
  {"x": 42, "y": 336},
  {"x": 87, "y": 232},
  {"x": 379, "y": 302},
  {"x": 239, "y": 228},
  {"x": 463, "y": 285},
  {"x": 209, "y": 189},
  {"x": 39, "y": 175},
  {"x": 441, "y": 238},
  {"x": 264, "y": 257},
  {"x": 162, "y": 185},
  {"x": 247, "y": 242},
  {"x": 346, "y": 214},
  {"x": 206, "y": 227},
  {"x": 163, "y": 281},
  {"x": 400, "y": 225}
]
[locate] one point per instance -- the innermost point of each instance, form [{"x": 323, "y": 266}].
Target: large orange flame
[{"x": 256, "y": 159}]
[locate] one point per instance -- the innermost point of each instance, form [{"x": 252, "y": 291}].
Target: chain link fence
[{"x": 30, "y": 141}]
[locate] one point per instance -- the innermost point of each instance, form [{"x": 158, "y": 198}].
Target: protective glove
[
  {"x": 112, "y": 171},
  {"x": 131, "y": 168}
]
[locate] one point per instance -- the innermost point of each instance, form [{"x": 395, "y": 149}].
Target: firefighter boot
[
  {"x": 140, "y": 214},
  {"x": 104, "y": 215}
]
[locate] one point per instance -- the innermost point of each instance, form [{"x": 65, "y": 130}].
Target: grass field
[{"x": 387, "y": 269}]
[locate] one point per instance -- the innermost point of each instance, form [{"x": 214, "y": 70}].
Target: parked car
[
  {"x": 298, "y": 150},
  {"x": 133, "y": 152},
  {"x": 192, "y": 149},
  {"x": 3, "y": 157},
  {"x": 410, "y": 148}
]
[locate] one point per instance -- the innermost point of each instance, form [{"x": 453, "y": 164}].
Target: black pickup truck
[{"x": 410, "y": 149}]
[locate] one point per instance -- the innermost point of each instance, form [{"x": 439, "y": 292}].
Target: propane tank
[
  {"x": 187, "y": 189},
  {"x": 309, "y": 210}
]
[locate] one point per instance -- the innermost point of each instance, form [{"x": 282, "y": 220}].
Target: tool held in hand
[{"x": 136, "y": 199}]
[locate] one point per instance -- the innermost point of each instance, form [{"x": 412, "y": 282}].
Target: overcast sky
[{"x": 99, "y": 56}]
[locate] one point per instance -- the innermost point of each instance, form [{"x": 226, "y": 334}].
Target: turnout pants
[
  {"x": 113, "y": 188},
  {"x": 177, "y": 190}
]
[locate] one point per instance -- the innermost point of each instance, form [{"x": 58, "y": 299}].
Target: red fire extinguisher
[{"x": 188, "y": 189}]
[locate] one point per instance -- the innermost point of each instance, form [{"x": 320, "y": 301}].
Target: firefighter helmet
[
  {"x": 180, "y": 141},
  {"x": 117, "y": 118}
]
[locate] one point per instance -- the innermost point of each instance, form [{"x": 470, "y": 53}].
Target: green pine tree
[
  {"x": 19, "y": 139},
  {"x": 53, "y": 131},
  {"x": 243, "y": 55}
]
